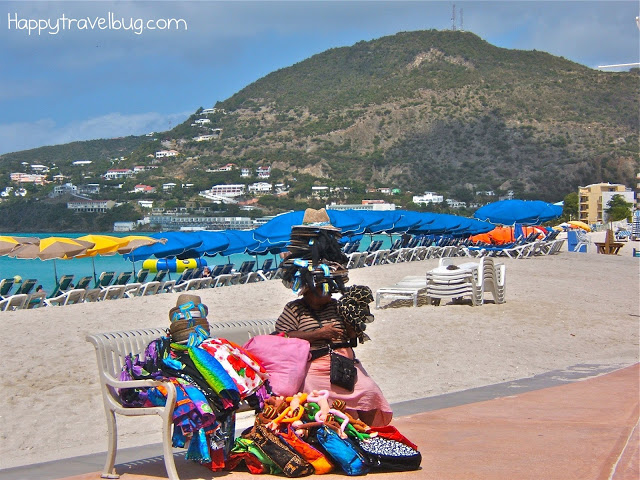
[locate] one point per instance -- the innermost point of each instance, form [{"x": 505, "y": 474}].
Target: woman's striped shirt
[{"x": 298, "y": 316}]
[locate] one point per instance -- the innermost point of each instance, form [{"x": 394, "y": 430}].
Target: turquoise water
[{"x": 45, "y": 270}]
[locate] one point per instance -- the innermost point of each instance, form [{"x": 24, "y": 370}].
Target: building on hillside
[
  {"x": 227, "y": 190},
  {"x": 167, "y": 153},
  {"x": 225, "y": 168},
  {"x": 167, "y": 187},
  {"x": 593, "y": 200},
  {"x": 263, "y": 172},
  {"x": 245, "y": 172},
  {"x": 509, "y": 196},
  {"x": 80, "y": 163},
  {"x": 145, "y": 203},
  {"x": 211, "y": 111},
  {"x": 260, "y": 188},
  {"x": 124, "y": 226},
  {"x": 177, "y": 222},
  {"x": 67, "y": 188},
  {"x": 214, "y": 135},
  {"x": 375, "y": 205},
  {"x": 91, "y": 206},
  {"x": 118, "y": 173},
  {"x": 39, "y": 168},
  {"x": 428, "y": 197},
  {"x": 144, "y": 189},
  {"x": 382, "y": 190},
  {"x": 455, "y": 203},
  {"x": 28, "y": 178},
  {"x": 89, "y": 189}
]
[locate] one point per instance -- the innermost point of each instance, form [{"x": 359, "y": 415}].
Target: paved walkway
[{"x": 582, "y": 430}]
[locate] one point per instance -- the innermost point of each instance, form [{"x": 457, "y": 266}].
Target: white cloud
[{"x": 26, "y": 135}]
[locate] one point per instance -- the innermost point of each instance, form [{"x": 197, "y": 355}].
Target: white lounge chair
[
  {"x": 409, "y": 288},
  {"x": 460, "y": 282},
  {"x": 14, "y": 302},
  {"x": 112, "y": 292},
  {"x": 73, "y": 296}
]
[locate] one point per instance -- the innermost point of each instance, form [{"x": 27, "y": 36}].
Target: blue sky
[{"x": 66, "y": 81}]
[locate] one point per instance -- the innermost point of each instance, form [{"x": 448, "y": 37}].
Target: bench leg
[
  {"x": 112, "y": 428},
  {"x": 167, "y": 448}
]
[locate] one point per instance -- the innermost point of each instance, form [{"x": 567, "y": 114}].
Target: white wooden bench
[{"x": 111, "y": 350}]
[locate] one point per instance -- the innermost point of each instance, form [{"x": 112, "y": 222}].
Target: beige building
[{"x": 593, "y": 200}]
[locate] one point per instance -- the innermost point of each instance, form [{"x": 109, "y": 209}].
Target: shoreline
[{"x": 562, "y": 310}]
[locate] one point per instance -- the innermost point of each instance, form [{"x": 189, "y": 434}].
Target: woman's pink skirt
[{"x": 366, "y": 395}]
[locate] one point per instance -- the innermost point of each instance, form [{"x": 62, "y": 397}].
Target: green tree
[
  {"x": 570, "y": 208},
  {"x": 618, "y": 209}
]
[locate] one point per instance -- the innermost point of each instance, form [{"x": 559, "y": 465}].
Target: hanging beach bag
[
  {"x": 343, "y": 451},
  {"x": 386, "y": 454},
  {"x": 343, "y": 372}
]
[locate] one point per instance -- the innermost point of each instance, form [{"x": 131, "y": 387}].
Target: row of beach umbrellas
[
  {"x": 55, "y": 247},
  {"x": 274, "y": 236}
]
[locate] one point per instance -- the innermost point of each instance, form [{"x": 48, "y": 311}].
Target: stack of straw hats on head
[
  {"x": 316, "y": 259},
  {"x": 188, "y": 314}
]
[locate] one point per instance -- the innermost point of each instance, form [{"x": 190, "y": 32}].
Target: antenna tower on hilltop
[{"x": 453, "y": 18}]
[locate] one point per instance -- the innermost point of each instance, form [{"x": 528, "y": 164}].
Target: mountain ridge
[{"x": 421, "y": 111}]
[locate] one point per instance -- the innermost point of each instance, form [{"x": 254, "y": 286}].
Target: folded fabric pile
[{"x": 211, "y": 375}]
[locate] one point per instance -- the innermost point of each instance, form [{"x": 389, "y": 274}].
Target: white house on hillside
[
  {"x": 166, "y": 153},
  {"x": 260, "y": 187},
  {"x": 428, "y": 197},
  {"x": 117, "y": 173},
  {"x": 263, "y": 172}
]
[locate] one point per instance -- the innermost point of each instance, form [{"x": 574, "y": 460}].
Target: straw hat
[
  {"x": 311, "y": 215},
  {"x": 182, "y": 301},
  {"x": 188, "y": 314}
]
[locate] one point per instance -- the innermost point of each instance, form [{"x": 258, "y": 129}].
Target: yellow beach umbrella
[
  {"x": 103, "y": 245},
  {"x": 8, "y": 243},
  {"x": 137, "y": 241},
  {"x": 579, "y": 224},
  {"x": 52, "y": 248}
]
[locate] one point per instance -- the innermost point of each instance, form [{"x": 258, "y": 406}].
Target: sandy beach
[{"x": 563, "y": 310}]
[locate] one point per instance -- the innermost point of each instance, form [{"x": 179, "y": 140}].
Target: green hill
[{"x": 421, "y": 111}]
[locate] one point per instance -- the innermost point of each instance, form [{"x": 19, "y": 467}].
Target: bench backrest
[{"x": 113, "y": 347}]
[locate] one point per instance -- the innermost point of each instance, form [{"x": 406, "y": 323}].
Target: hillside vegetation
[{"x": 421, "y": 111}]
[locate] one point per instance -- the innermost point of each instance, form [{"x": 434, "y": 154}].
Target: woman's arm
[{"x": 328, "y": 332}]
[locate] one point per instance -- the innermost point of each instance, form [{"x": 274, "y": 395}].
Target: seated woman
[{"x": 314, "y": 317}]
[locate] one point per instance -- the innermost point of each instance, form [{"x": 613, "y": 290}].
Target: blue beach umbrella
[
  {"x": 176, "y": 244},
  {"x": 212, "y": 244},
  {"x": 277, "y": 231},
  {"x": 408, "y": 219},
  {"x": 242, "y": 241},
  {"x": 526, "y": 212},
  {"x": 375, "y": 222}
]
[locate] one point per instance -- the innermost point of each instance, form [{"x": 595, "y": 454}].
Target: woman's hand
[{"x": 329, "y": 332}]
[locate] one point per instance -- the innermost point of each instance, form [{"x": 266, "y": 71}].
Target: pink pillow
[{"x": 285, "y": 360}]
